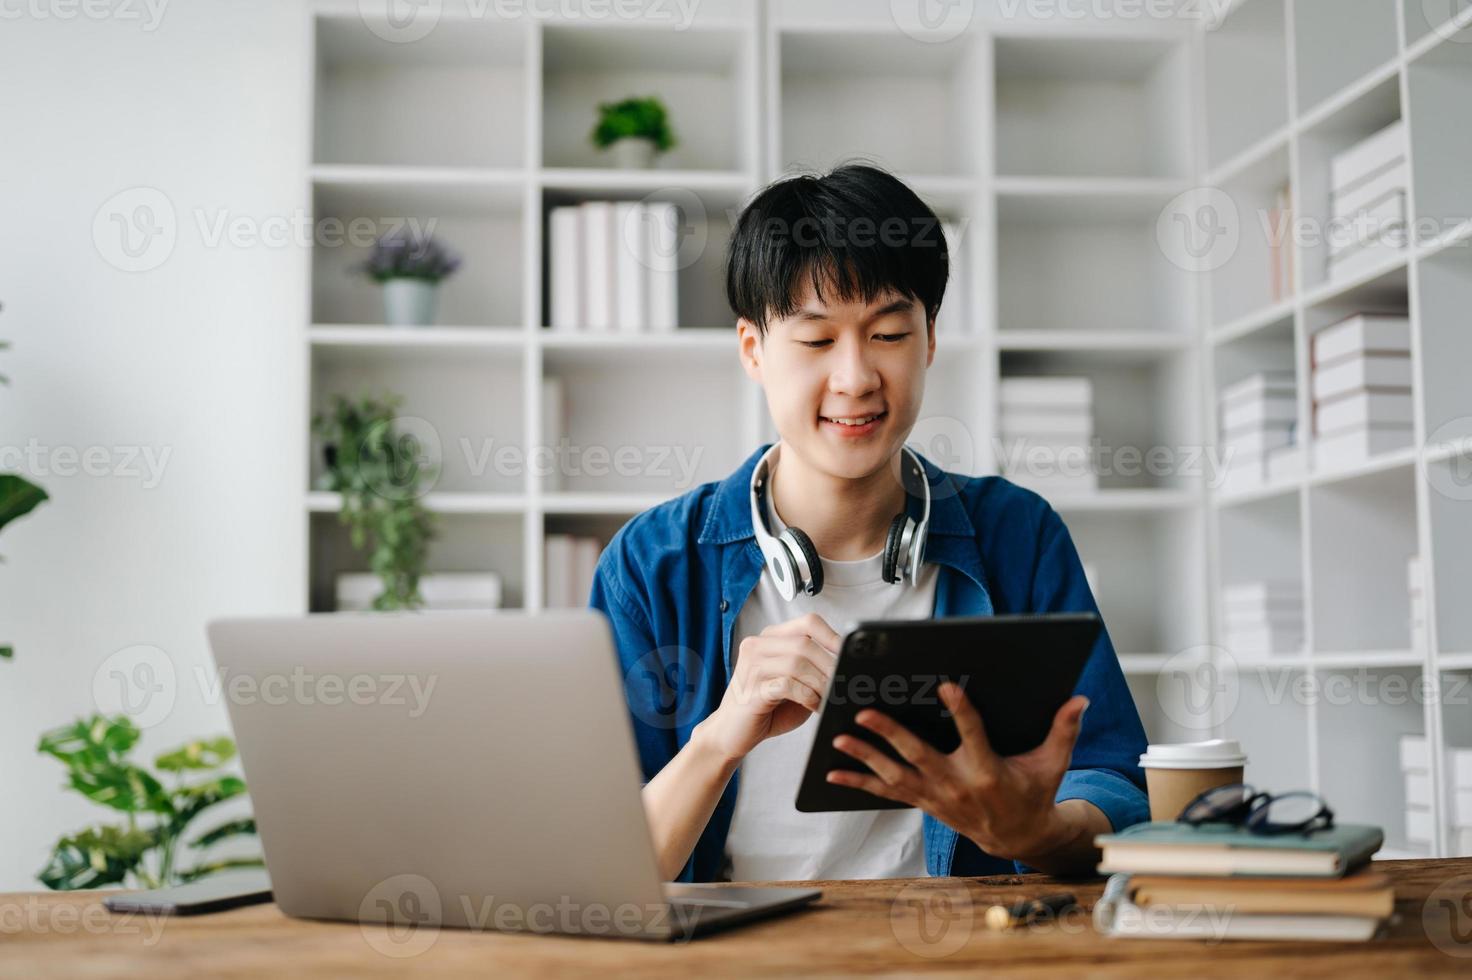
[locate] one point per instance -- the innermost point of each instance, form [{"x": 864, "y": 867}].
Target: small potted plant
[
  {"x": 636, "y": 129},
  {"x": 410, "y": 268}
]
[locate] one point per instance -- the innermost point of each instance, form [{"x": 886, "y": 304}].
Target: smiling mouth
[{"x": 854, "y": 421}]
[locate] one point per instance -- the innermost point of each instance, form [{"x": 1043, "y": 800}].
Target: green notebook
[{"x": 1168, "y": 847}]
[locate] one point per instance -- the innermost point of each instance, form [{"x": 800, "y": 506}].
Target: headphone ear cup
[
  {"x": 890, "y": 570},
  {"x": 810, "y": 555}
]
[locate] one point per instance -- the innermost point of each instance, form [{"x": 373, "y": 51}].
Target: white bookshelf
[
  {"x": 1348, "y": 69},
  {"x": 1057, "y": 144}
]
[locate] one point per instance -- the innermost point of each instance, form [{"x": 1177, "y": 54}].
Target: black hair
[{"x": 858, "y": 229}]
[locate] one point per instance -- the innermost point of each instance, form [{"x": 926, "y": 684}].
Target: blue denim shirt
[{"x": 673, "y": 579}]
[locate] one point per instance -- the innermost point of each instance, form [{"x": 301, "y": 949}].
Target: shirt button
[{"x": 725, "y": 605}]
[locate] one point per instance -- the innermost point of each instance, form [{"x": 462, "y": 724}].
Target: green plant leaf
[
  {"x": 18, "y": 497},
  {"x": 98, "y": 740},
  {"x": 199, "y": 754},
  {"x": 212, "y": 867},
  {"x": 122, "y": 787},
  {"x": 192, "y": 800},
  {"x": 7, "y": 652},
  {"x": 96, "y": 856},
  {"x": 244, "y": 827}
]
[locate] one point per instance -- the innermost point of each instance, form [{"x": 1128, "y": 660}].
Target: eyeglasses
[{"x": 1298, "y": 812}]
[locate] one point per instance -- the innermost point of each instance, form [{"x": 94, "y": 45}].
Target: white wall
[{"x": 199, "y": 358}]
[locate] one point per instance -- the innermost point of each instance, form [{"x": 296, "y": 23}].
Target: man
[{"x": 836, "y": 281}]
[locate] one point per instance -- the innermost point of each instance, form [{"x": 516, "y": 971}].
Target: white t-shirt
[{"x": 769, "y": 839}]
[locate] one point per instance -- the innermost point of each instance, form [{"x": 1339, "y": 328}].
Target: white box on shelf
[
  {"x": 1349, "y": 447},
  {"x": 1418, "y": 788},
  {"x": 597, "y": 263},
  {"x": 1373, "y": 155},
  {"x": 1046, "y": 393},
  {"x": 1264, "y": 384},
  {"x": 1362, "y": 333},
  {"x": 1285, "y": 463},
  {"x": 1394, "y": 180},
  {"x": 1383, "y": 222},
  {"x": 1362, "y": 409},
  {"x": 1359, "y": 372},
  {"x": 1418, "y": 825},
  {"x": 565, "y": 258},
  {"x": 1272, "y": 410},
  {"x": 631, "y": 265},
  {"x": 1415, "y": 754}
]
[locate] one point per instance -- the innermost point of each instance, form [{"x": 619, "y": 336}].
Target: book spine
[
  {"x": 662, "y": 226},
  {"x": 598, "y": 244},
  {"x": 565, "y": 249},
  {"x": 631, "y": 265}
]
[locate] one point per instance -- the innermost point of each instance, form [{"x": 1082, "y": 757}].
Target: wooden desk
[{"x": 857, "y": 928}]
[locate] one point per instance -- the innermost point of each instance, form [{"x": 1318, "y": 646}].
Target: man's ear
[
  {"x": 930, "y": 341},
  {"x": 749, "y": 341}
]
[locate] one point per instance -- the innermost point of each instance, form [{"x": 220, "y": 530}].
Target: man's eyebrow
[{"x": 902, "y": 305}]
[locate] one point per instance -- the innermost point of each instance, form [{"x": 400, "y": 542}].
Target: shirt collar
[{"x": 729, "y": 518}]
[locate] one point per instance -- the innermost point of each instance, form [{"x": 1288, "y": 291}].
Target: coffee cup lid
[{"x": 1216, "y": 753}]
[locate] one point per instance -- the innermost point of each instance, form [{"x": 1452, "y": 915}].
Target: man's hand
[
  {"x": 778, "y": 680},
  {"x": 1003, "y": 804}
]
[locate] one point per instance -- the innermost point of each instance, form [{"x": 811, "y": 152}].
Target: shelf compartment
[
  {"x": 1246, "y": 60},
  {"x": 1440, "y": 87},
  {"x": 1096, "y": 107},
  {"x": 1445, "y": 288},
  {"x": 1338, "y": 42},
  {"x": 1260, "y": 542},
  {"x": 464, "y": 406},
  {"x": 425, "y": 104},
  {"x": 475, "y": 221},
  {"x": 1360, "y": 605},
  {"x": 1273, "y": 726},
  {"x": 1244, "y": 283},
  {"x": 701, "y": 74},
  {"x": 465, "y": 543},
  {"x": 901, "y": 102},
  {"x": 1450, "y": 510}
]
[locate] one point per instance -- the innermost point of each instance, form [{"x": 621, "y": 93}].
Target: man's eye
[
  {"x": 815, "y": 344},
  {"x": 892, "y": 337}
]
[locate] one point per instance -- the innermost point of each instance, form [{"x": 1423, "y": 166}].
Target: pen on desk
[{"x": 1028, "y": 910}]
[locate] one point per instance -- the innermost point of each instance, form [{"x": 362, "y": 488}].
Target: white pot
[
  {"x": 633, "y": 152},
  {"x": 409, "y": 302}
]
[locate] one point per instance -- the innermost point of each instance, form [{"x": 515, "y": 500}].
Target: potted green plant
[
  {"x": 410, "y": 268},
  {"x": 18, "y": 497},
  {"x": 146, "y": 851},
  {"x": 636, "y": 129},
  {"x": 382, "y": 478}
]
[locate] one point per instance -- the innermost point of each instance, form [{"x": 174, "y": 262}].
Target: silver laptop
[{"x": 458, "y": 769}]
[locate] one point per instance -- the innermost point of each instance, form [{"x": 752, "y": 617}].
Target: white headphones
[{"x": 793, "y": 560}]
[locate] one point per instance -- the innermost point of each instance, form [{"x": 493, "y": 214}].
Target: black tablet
[{"x": 1017, "y": 670}]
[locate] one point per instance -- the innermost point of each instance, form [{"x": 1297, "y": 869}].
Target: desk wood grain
[{"x": 869, "y": 928}]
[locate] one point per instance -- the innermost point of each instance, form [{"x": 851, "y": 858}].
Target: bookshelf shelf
[
  {"x": 439, "y": 338},
  {"x": 1126, "y": 345},
  {"x": 1382, "y": 463},
  {"x": 1269, "y": 318},
  {"x": 326, "y": 502}
]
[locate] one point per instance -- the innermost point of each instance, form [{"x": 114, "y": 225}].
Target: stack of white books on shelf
[
  {"x": 1361, "y": 389},
  {"x": 1047, "y": 434},
  {"x": 1415, "y": 764},
  {"x": 613, "y": 266},
  {"x": 439, "y": 590},
  {"x": 954, "y": 318},
  {"x": 1415, "y": 582},
  {"x": 1368, "y": 185},
  {"x": 1259, "y": 419},
  {"x": 1262, "y": 618},
  {"x": 571, "y": 561}
]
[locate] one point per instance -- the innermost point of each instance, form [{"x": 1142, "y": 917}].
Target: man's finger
[
  {"x": 811, "y": 625},
  {"x": 1064, "y": 733},
  {"x": 892, "y": 772},
  {"x": 871, "y": 784},
  {"x": 968, "y": 723},
  {"x": 915, "y": 750}
]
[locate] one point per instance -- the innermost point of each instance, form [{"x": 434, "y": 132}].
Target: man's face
[{"x": 843, "y": 360}]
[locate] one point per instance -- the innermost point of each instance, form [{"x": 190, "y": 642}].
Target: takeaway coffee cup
[{"x": 1176, "y": 774}]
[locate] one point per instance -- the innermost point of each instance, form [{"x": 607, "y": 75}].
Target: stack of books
[
  {"x": 356, "y": 591},
  {"x": 1361, "y": 388},
  {"x": 613, "y": 266},
  {"x": 1415, "y": 765},
  {"x": 571, "y": 561},
  {"x": 1368, "y": 184},
  {"x": 1263, "y": 618},
  {"x": 1175, "y": 881},
  {"x": 1047, "y": 433},
  {"x": 1259, "y": 419}
]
